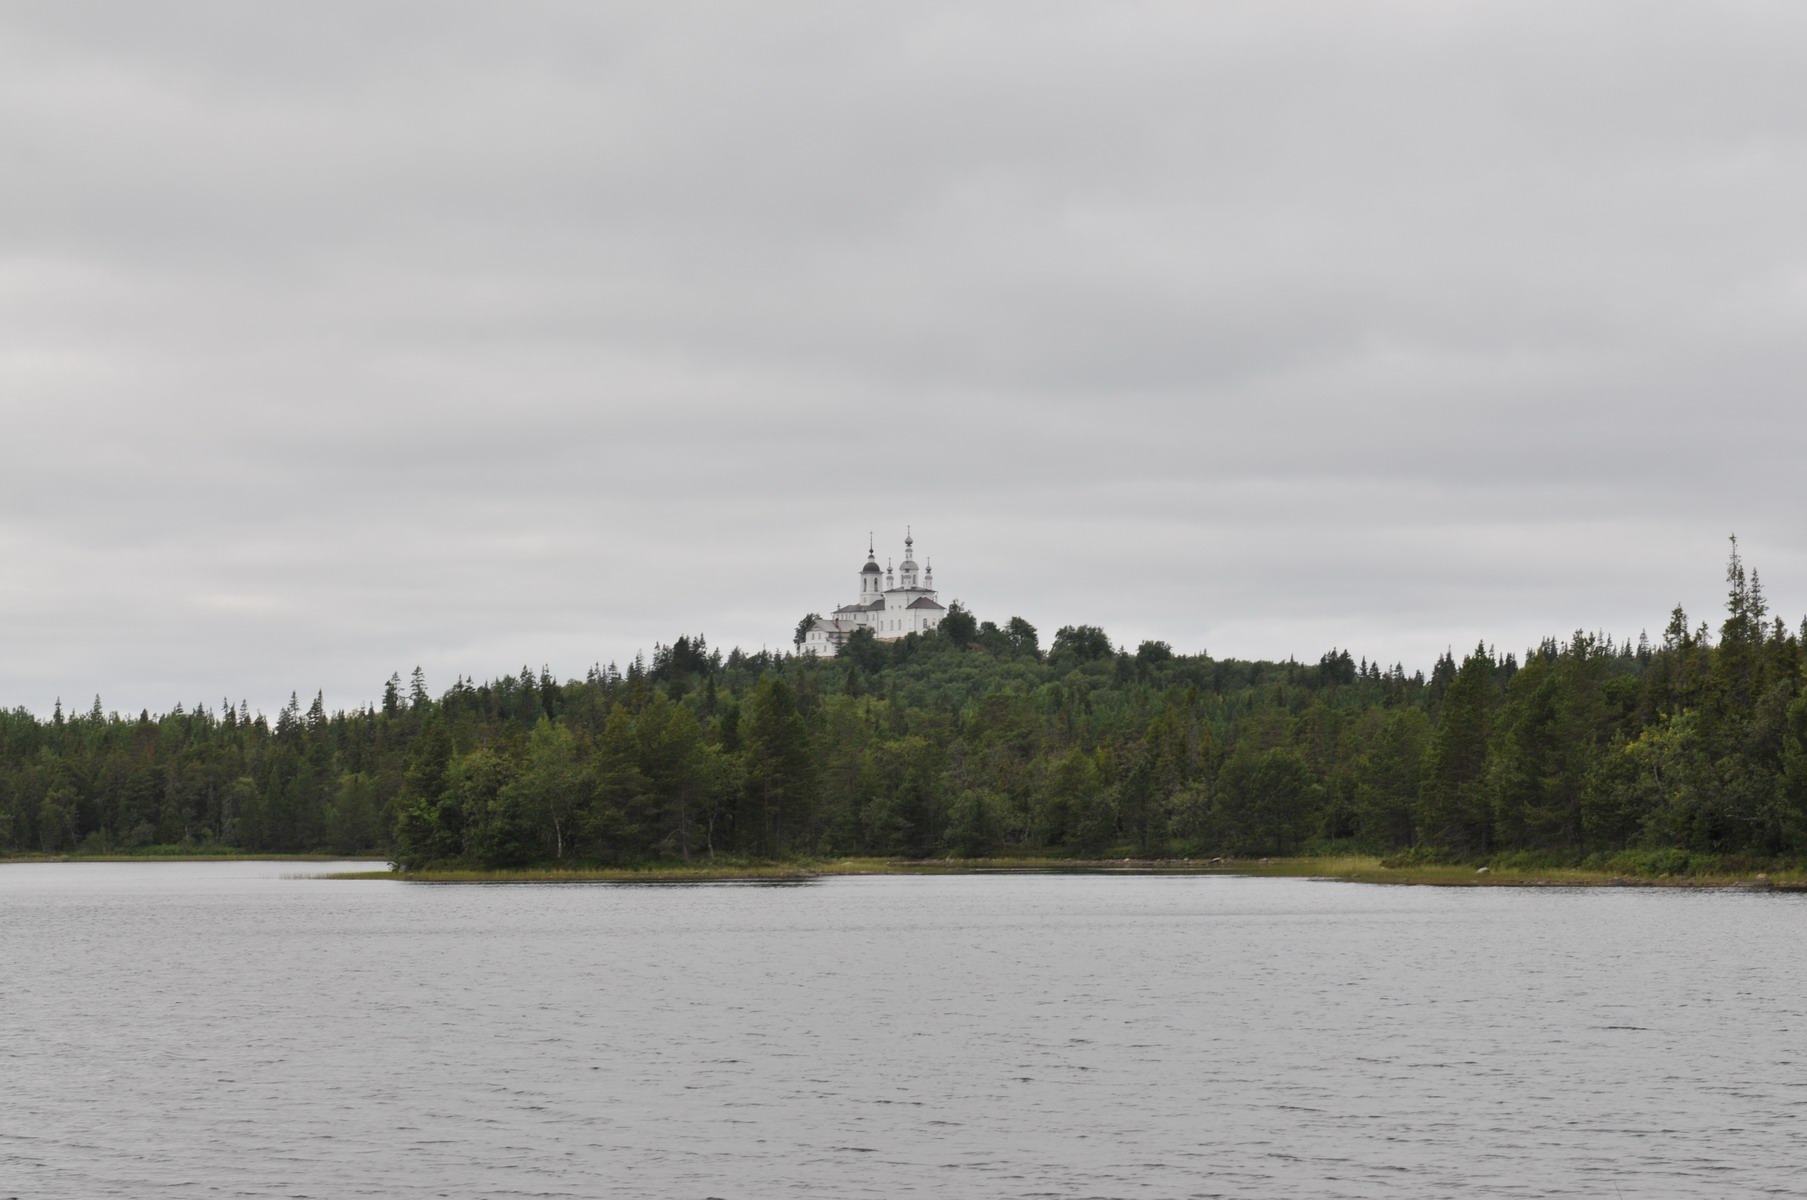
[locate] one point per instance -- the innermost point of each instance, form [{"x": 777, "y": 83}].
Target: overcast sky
[{"x": 336, "y": 339}]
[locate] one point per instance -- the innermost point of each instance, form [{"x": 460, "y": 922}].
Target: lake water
[{"x": 217, "y": 1029}]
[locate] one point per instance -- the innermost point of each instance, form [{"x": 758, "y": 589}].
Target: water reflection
[{"x": 173, "y": 1029}]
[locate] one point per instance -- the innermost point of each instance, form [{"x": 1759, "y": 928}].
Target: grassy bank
[
  {"x": 1374, "y": 870},
  {"x": 1347, "y": 868},
  {"x": 650, "y": 874}
]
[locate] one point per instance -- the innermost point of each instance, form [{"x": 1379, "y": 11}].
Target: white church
[{"x": 892, "y": 605}]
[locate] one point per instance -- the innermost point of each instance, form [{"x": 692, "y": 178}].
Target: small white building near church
[{"x": 891, "y": 604}]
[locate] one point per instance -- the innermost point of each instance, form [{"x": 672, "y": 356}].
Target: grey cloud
[{"x": 345, "y": 337}]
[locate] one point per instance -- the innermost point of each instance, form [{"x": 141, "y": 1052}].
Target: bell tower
[
  {"x": 870, "y": 589},
  {"x": 906, "y": 570}
]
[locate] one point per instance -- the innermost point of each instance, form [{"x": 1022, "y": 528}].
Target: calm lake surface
[{"x": 217, "y": 1029}]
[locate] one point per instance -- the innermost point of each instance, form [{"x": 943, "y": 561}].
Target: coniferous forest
[{"x": 975, "y": 740}]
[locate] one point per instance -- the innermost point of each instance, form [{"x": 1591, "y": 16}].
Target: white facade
[{"x": 891, "y": 604}]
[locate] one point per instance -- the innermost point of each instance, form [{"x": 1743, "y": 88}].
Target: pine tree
[
  {"x": 779, "y": 770},
  {"x": 1452, "y": 805}
]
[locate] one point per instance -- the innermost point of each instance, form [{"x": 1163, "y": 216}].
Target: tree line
[{"x": 973, "y": 740}]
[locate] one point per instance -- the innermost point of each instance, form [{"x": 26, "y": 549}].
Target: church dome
[{"x": 871, "y": 568}]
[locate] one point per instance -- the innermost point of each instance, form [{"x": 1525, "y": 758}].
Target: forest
[{"x": 974, "y": 740}]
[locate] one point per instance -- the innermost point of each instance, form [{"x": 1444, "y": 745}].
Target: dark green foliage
[
  {"x": 964, "y": 741},
  {"x": 1022, "y": 638},
  {"x": 865, "y": 651},
  {"x": 1453, "y": 808},
  {"x": 973, "y": 824},
  {"x": 1136, "y": 807},
  {"x": 773, "y": 817},
  {"x": 500, "y": 830},
  {"x": 1079, "y": 644},
  {"x": 1384, "y": 779},
  {"x": 1150, "y": 654},
  {"x": 1265, "y": 801},
  {"x": 959, "y": 626}
]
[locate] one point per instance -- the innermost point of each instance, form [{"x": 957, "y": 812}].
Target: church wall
[{"x": 895, "y": 620}]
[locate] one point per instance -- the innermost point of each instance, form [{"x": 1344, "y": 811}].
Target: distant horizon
[
  {"x": 267, "y": 710},
  {"x": 333, "y": 349}
]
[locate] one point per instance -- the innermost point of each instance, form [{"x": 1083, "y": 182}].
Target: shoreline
[
  {"x": 1345, "y": 869},
  {"x": 5, "y": 860},
  {"x": 1341, "y": 868}
]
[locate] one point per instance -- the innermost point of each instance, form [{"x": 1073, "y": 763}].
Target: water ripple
[{"x": 179, "y": 1029}]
